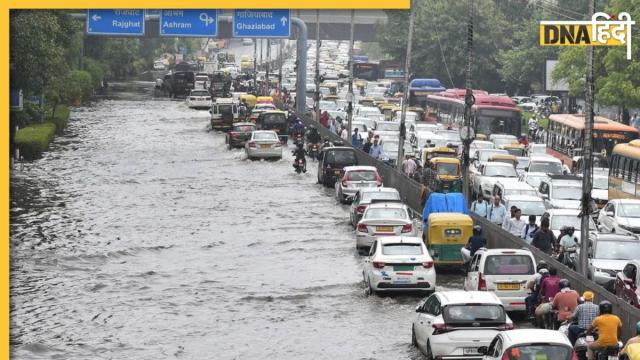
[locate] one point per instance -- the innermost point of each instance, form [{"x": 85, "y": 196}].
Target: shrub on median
[{"x": 33, "y": 140}]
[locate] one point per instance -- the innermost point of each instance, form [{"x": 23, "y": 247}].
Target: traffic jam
[{"x": 524, "y": 178}]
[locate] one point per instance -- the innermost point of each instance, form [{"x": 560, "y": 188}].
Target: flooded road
[{"x": 139, "y": 236}]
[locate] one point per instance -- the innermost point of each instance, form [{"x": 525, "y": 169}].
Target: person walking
[
  {"x": 408, "y": 165},
  {"x": 497, "y": 211},
  {"x": 376, "y": 150},
  {"x": 544, "y": 238},
  {"x": 356, "y": 139},
  {"x": 367, "y": 145},
  {"x": 530, "y": 229},
  {"x": 480, "y": 206},
  {"x": 515, "y": 225}
]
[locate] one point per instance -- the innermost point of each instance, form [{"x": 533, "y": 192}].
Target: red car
[{"x": 627, "y": 283}]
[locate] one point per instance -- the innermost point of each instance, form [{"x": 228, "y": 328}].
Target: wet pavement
[{"x": 140, "y": 236}]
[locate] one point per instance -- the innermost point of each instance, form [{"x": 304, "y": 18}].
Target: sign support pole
[
  {"x": 405, "y": 94},
  {"x": 350, "y": 93},
  {"x": 317, "y": 94},
  {"x": 469, "y": 100}
]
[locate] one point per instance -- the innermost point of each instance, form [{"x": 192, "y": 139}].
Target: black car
[
  {"x": 179, "y": 83},
  {"x": 332, "y": 162},
  {"x": 239, "y": 134},
  {"x": 274, "y": 120}
]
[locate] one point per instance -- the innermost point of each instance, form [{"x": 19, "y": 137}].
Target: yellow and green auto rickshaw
[
  {"x": 388, "y": 110},
  {"x": 515, "y": 149},
  {"x": 429, "y": 153},
  {"x": 443, "y": 175},
  {"x": 505, "y": 158},
  {"x": 446, "y": 235},
  {"x": 249, "y": 99}
]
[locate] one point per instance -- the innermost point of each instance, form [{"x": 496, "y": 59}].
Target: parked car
[
  {"x": 199, "y": 99},
  {"x": 366, "y": 196},
  {"x": 627, "y": 283},
  {"x": 398, "y": 263},
  {"x": 263, "y": 144},
  {"x": 354, "y": 179},
  {"x": 332, "y": 161},
  {"x": 529, "y": 344},
  {"x": 608, "y": 255},
  {"x": 457, "y": 324},
  {"x": 239, "y": 134},
  {"x": 504, "y": 272},
  {"x": 383, "y": 219},
  {"x": 620, "y": 216}
]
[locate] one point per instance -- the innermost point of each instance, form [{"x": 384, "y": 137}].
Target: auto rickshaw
[
  {"x": 275, "y": 120},
  {"x": 332, "y": 86},
  {"x": 446, "y": 235},
  {"x": 264, "y": 100},
  {"x": 438, "y": 151},
  {"x": 367, "y": 101},
  {"x": 394, "y": 100},
  {"x": 418, "y": 110},
  {"x": 249, "y": 99},
  {"x": 481, "y": 137},
  {"x": 443, "y": 175},
  {"x": 330, "y": 97},
  {"x": 509, "y": 159},
  {"x": 388, "y": 110}
]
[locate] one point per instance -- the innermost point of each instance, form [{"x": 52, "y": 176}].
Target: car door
[
  {"x": 426, "y": 319},
  {"x": 495, "y": 349},
  {"x": 368, "y": 267},
  {"x": 627, "y": 288},
  {"x": 471, "y": 280}
]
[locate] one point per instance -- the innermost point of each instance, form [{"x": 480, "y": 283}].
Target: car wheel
[
  {"x": 414, "y": 341},
  {"x": 369, "y": 290},
  {"x": 229, "y": 146}
]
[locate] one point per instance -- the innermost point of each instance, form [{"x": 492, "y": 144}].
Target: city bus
[
  {"x": 624, "y": 172},
  {"x": 419, "y": 89},
  {"x": 365, "y": 71},
  {"x": 489, "y": 115},
  {"x": 565, "y": 135}
]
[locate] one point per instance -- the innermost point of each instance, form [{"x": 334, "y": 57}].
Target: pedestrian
[
  {"x": 376, "y": 150},
  {"x": 512, "y": 214},
  {"x": 515, "y": 225},
  {"x": 324, "y": 119},
  {"x": 408, "y": 165},
  {"x": 497, "y": 211},
  {"x": 480, "y": 206},
  {"x": 544, "y": 238},
  {"x": 332, "y": 125},
  {"x": 356, "y": 139},
  {"x": 367, "y": 145},
  {"x": 584, "y": 315},
  {"x": 530, "y": 229},
  {"x": 344, "y": 134}
]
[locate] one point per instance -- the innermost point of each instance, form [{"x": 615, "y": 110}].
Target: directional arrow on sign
[
  {"x": 283, "y": 20},
  {"x": 96, "y": 17}
]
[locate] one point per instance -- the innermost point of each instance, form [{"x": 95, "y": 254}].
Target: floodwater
[{"x": 140, "y": 236}]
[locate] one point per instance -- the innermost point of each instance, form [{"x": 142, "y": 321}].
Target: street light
[{"x": 405, "y": 94}]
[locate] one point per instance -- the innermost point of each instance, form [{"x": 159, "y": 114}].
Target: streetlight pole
[
  {"x": 317, "y": 94},
  {"x": 350, "y": 93},
  {"x": 588, "y": 156},
  {"x": 469, "y": 100},
  {"x": 405, "y": 94},
  {"x": 280, "y": 62},
  {"x": 255, "y": 65},
  {"x": 267, "y": 69}
]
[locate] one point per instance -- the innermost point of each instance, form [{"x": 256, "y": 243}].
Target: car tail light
[
  {"x": 278, "y": 144},
  {"x": 407, "y": 228},
  {"x": 482, "y": 284},
  {"x": 574, "y": 356},
  {"x": 439, "y": 329},
  {"x": 378, "y": 180},
  {"x": 378, "y": 264},
  {"x": 345, "y": 182},
  {"x": 507, "y": 326},
  {"x": 360, "y": 209},
  {"x": 233, "y": 134},
  {"x": 362, "y": 228},
  {"x": 427, "y": 264},
  {"x": 252, "y": 144}
]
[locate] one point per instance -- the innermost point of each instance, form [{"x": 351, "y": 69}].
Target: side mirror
[
  {"x": 630, "y": 283},
  {"x": 482, "y": 350},
  {"x": 418, "y": 309},
  {"x": 609, "y": 213},
  {"x": 526, "y": 169}
]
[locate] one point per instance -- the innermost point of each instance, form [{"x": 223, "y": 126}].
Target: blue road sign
[
  {"x": 192, "y": 22},
  {"x": 262, "y": 23},
  {"x": 115, "y": 22}
]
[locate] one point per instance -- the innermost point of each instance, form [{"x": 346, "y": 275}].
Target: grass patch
[
  {"x": 33, "y": 140},
  {"x": 526, "y": 115}
]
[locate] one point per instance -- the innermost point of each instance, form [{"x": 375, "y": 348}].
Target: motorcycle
[
  {"x": 610, "y": 353},
  {"x": 300, "y": 166},
  {"x": 313, "y": 151},
  {"x": 580, "y": 347}
]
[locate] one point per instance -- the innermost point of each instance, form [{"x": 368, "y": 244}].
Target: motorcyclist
[
  {"x": 300, "y": 154},
  {"x": 566, "y": 301},
  {"x": 325, "y": 143},
  {"x": 609, "y": 328},
  {"x": 583, "y": 316},
  {"x": 629, "y": 350},
  {"x": 476, "y": 241},
  {"x": 567, "y": 244},
  {"x": 298, "y": 128},
  {"x": 533, "y": 126},
  {"x": 531, "y": 301},
  {"x": 243, "y": 109},
  {"x": 313, "y": 136}
]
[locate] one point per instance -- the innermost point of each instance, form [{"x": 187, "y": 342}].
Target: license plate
[
  {"x": 401, "y": 281},
  {"x": 384, "y": 228},
  {"x": 613, "y": 357},
  {"x": 508, "y": 286},
  {"x": 467, "y": 351},
  {"x": 265, "y": 146},
  {"x": 403, "y": 268}
]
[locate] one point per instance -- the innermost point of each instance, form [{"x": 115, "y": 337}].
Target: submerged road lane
[{"x": 140, "y": 236}]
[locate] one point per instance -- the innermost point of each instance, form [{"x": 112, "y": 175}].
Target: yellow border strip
[
  {"x": 4, "y": 212},
  {"x": 207, "y": 4}
]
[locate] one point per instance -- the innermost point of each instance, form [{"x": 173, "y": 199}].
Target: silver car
[
  {"x": 383, "y": 219},
  {"x": 354, "y": 179},
  {"x": 263, "y": 144},
  {"x": 608, "y": 256},
  {"x": 366, "y": 196}
]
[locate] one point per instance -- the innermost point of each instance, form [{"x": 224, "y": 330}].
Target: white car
[
  {"x": 479, "y": 145},
  {"x": 383, "y": 219},
  {"x": 620, "y": 216},
  {"x": 559, "y": 218},
  {"x": 387, "y": 128},
  {"x": 508, "y": 189},
  {"x": 533, "y": 178},
  {"x": 529, "y": 344},
  {"x": 561, "y": 191},
  {"x": 600, "y": 191},
  {"x": 457, "y": 324},
  {"x": 199, "y": 99},
  {"x": 263, "y": 144},
  {"x": 537, "y": 149},
  {"x": 489, "y": 173},
  {"x": 371, "y": 124},
  {"x": 366, "y": 196},
  {"x": 399, "y": 263},
  {"x": 354, "y": 179},
  {"x": 502, "y": 139},
  {"x": 545, "y": 164},
  {"x": 504, "y": 272},
  {"x": 529, "y": 205}
]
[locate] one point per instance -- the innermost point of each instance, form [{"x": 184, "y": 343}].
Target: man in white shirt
[
  {"x": 408, "y": 165},
  {"x": 515, "y": 224},
  {"x": 497, "y": 211},
  {"x": 344, "y": 134},
  {"x": 529, "y": 229},
  {"x": 480, "y": 206}
]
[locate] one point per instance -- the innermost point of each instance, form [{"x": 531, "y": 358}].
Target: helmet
[
  {"x": 564, "y": 283},
  {"x": 542, "y": 265},
  {"x": 605, "y": 307},
  {"x": 638, "y": 328},
  {"x": 477, "y": 230},
  {"x": 299, "y": 145},
  {"x": 312, "y": 127},
  {"x": 569, "y": 230},
  {"x": 326, "y": 139}
]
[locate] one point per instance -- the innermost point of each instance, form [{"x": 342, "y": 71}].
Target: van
[
  {"x": 224, "y": 112},
  {"x": 545, "y": 164},
  {"x": 332, "y": 161},
  {"x": 505, "y": 272}
]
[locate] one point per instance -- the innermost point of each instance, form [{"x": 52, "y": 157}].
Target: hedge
[
  {"x": 60, "y": 118},
  {"x": 34, "y": 139}
]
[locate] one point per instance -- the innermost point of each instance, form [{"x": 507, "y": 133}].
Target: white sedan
[
  {"x": 383, "y": 219},
  {"x": 458, "y": 324},
  {"x": 199, "y": 99},
  {"x": 621, "y": 216},
  {"x": 263, "y": 144},
  {"x": 399, "y": 263},
  {"x": 529, "y": 344}
]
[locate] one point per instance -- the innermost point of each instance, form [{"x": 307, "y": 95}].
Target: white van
[
  {"x": 224, "y": 112},
  {"x": 503, "y": 271},
  {"x": 545, "y": 164}
]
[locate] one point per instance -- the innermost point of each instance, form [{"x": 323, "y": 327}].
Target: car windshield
[
  {"x": 567, "y": 192},
  {"x": 629, "y": 210},
  {"x": 388, "y": 126},
  {"x": 361, "y": 175},
  {"x": 515, "y": 151},
  {"x": 244, "y": 128},
  {"x": 600, "y": 182},
  {"x": 401, "y": 249},
  {"x": 225, "y": 109},
  {"x": 508, "y": 264},
  {"x": 386, "y": 213},
  {"x": 546, "y": 167},
  {"x": 529, "y": 207},
  {"x": 539, "y": 351},
  {"x": 380, "y": 195},
  {"x": 558, "y": 221},
  {"x": 273, "y": 119},
  {"x": 344, "y": 157},
  {"x": 617, "y": 250},
  {"x": 449, "y": 135},
  {"x": 486, "y": 154},
  {"x": 500, "y": 171},
  {"x": 265, "y": 136},
  {"x": 509, "y": 192},
  {"x": 504, "y": 140},
  {"x": 199, "y": 93},
  {"x": 474, "y": 313},
  {"x": 447, "y": 169},
  {"x": 522, "y": 163},
  {"x": 535, "y": 180}
]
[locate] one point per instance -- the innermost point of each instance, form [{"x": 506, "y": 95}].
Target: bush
[
  {"x": 60, "y": 118},
  {"x": 80, "y": 83},
  {"x": 97, "y": 69},
  {"x": 33, "y": 140}
]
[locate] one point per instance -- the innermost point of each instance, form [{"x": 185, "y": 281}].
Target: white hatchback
[
  {"x": 354, "y": 179},
  {"x": 383, "y": 219},
  {"x": 399, "y": 263},
  {"x": 504, "y": 272},
  {"x": 457, "y": 324},
  {"x": 529, "y": 344},
  {"x": 263, "y": 144}
]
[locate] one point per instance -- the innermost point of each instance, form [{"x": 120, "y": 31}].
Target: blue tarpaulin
[{"x": 438, "y": 202}]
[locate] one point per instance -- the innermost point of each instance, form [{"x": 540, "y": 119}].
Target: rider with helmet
[
  {"x": 609, "y": 328},
  {"x": 531, "y": 301},
  {"x": 566, "y": 301},
  {"x": 300, "y": 154},
  {"x": 567, "y": 243},
  {"x": 632, "y": 347},
  {"x": 476, "y": 241},
  {"x": 313, "y": 136}
]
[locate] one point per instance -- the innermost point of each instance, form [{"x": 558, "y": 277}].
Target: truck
[
  {"x": 220, "y": 85},
  {"x": 178, "y": 83},
  {"x": 224, "y": 112}
]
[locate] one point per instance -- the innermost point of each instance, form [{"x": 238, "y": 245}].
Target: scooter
[{"x": 300, "y": 166}]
